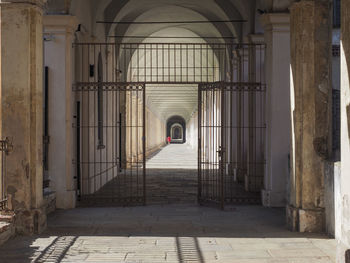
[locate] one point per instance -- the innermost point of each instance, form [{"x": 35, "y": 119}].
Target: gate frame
[
  {"x": 224, "y": 58},
  {"x": 221, "y": 150},
  {"x": 113, "y": 86}
]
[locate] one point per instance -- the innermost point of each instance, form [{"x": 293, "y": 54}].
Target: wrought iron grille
[
  {"x": 170, "y": 63},
  {"x": 111, "y": 145},
  {"x": 231, "y": 142},
  {"x": 110, "y": 83}
]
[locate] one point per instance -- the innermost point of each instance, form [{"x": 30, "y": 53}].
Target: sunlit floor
[
  {"x": 171, "y": 233},
  {"x": 174, "y": 156}
]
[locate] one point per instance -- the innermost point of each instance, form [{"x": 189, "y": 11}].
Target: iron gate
[
  {"x": 110, "y": 81},
  {"x": 231, "y": 143},
  {"x": 111, "y": 143}
]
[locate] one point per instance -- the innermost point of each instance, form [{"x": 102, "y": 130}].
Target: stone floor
[
  {"x": 172, "y": 186},
  {"x": 171, "y": 233},
  {"x": 172, "y": 175},
  {"x": 174, "y": 156}
]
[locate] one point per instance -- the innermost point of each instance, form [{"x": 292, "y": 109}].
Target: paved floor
[
  {"x": 172, "y": 175},
  {"x": 174, "y": 156},
  {"x": 171, "y": 233}
]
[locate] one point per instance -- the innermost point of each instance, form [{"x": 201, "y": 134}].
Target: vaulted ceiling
[{"x": 167, "y": 100}]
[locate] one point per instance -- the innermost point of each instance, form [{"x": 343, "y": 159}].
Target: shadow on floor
[{"x": 171, "y": 233}]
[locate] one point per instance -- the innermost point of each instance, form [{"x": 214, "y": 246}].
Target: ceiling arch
[
  {"x": 133, "y": 10},
  {"x": 122, "y": 10},
  {"x": 209, "y": 30},
  {"x": 172, "y": 100}
]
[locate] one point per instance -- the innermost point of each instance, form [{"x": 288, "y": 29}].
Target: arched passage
[
  {"x": 177, "y": 133},
  {"x": 173, "y": 123},
  {"x": 155, "y": 75}
]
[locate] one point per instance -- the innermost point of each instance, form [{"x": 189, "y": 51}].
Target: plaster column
[
  {"x": 277, "y": 61},
  {"x": 256, "y": 64},
  {"x": 59, "y": 32},
  {"x": 21, "y": 119},
  {"x": 311, "y": 38},
  {"x": 342, "y": 235}
]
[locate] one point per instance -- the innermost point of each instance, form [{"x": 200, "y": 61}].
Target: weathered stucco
[
  {"x": 21, "y": 110},
  {"x": 311, "y": 91}
]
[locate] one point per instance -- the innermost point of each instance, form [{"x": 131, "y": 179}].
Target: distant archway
[
  {"x": 176, "y": 133},
  {"x": 176, "y": 129}
]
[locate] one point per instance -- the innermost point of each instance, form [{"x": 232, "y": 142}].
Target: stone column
[
  {"x": 344, "y": 224},
  {"x": 21, "y": 105},
  {"x": 59, "y": 33},
  {"x": 311, "y": 113},
  {"x": 277, "y": 61}
]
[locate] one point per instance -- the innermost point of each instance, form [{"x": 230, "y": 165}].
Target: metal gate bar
[
  {"x": 110, "y": 86},
  {"x": 229, "y": 174},
  {"x": 169, "y": 62},
  {"x": 111, "y": 173}
]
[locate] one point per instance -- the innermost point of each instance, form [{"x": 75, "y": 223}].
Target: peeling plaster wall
[{"x": 21, "y": 111}]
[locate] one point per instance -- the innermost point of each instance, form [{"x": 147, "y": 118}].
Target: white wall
[
  {"x": 278, "y": 110},
  {"x": 192, "y": 131},
  {"x": 343, "y": 225},
  {"x": 155, "y": 132},
  {"x": 58, "y": 56}
]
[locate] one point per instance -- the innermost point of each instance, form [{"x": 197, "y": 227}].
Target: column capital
[
  {"x": 60, "y": 24},
  {"x": 276, "y": 21},
  {"x": 38, "y": 3},
  {"x": 256, "y": 38},
  {"x": 302, "y": 4}
]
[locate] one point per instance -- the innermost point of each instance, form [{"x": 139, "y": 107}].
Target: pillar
[
  {"x": 277, "y": 39},
  {"x": 311, "y": 113},
  {"x": 255, "y": 161},
  {"x": 344, "y": 223},
  {"x": 59, "y": 34},
  {"x": 21, "y": 109}
]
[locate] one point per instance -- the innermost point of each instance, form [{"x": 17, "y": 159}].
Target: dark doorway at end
[{"x": 176, "y": 129}]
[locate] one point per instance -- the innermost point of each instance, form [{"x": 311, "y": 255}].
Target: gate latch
[{"x": 221, "y": 151}]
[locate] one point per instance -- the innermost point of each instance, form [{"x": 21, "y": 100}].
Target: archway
[
  {"x": 176, "y": 132},
  {"x": 176, "y": 122}
]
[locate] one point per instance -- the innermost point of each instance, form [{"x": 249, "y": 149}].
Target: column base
[
  {"x": 273, "y": 199},
  {"x": 343, "y": 252},
  {"x": 66, "y": 199},
  {"x": 31, "y": 221},
  {"x": 305, "y": 220}
]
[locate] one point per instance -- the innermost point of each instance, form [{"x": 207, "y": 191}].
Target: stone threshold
[
  {"x": 8, "y": 218},
  {"x": 7, "y": 226}
]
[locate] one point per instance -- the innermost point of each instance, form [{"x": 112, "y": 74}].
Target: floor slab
[{"x": 169, "y": 233}]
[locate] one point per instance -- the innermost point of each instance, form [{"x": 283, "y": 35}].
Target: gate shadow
[{"x": 183, "y": 232}]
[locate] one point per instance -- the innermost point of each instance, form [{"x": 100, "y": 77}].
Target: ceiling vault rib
[{"x": 172, "y": 22}]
